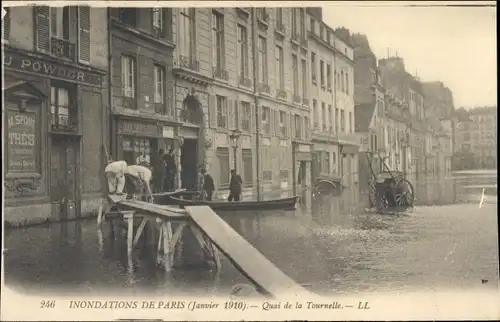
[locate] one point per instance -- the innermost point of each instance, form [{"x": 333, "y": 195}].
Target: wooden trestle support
[{"x": 168, "y": 238}]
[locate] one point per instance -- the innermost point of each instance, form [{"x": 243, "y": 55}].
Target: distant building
[{"x": 476, "y": 140}]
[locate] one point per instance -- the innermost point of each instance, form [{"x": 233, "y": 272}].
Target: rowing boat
[{"x": 274, "y": 204}]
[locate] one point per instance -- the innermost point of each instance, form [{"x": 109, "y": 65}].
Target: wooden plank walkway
[{"x": 249, "y": 261}]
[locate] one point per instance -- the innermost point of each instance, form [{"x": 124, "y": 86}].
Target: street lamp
[{"x": 235, "y": 135}]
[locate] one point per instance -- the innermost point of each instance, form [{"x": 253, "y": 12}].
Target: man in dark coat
[
  {"x": 208, "y": 184},
  {"x": 158, "y": 166},
  {"x": 171, "y": 170},
  {"x": 235, "y": 186}
]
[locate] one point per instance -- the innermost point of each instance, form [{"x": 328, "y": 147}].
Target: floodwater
[{"x": 331, "y": 245}]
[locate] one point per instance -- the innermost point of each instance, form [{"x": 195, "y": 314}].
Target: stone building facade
[
  {"x": 143, "y": 118},
  {"x": 237, "y": 65},
  {"x": 56, "y": 64}
]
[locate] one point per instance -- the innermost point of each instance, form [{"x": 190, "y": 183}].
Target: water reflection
[{"x": 329, "y": 242}]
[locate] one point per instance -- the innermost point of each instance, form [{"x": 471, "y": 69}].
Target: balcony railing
[
  {"x": 220, "y": 73},
  {"x": 264, "y": 88},
  {"x": 281, "y": 93},
  {"x": 62, "y": 48},
  {"x": 280, "y": 27},
  {"x": 129, "y": 102},
  {"x": 262, "y": 15},
  {"x": 189, "y": 63},
  {"x": 245, "y": 81},
  {"x": 62, "y": 124},
  {"x": 297, "y": 99}
]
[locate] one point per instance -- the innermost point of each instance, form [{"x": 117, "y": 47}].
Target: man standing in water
[
  {"x": 235, "y": 187},
  {"x": 158, "y": 172},
  {"x": 170, "y": 169},
  {"x": 208, "y": 185}
]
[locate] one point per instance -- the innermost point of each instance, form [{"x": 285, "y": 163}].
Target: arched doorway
[{"x": 190, "y": 152}]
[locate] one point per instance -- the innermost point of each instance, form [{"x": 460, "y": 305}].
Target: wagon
[{"x": 389, "y": 190}]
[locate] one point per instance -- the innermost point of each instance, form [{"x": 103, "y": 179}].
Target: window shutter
[
  {"x": 42, "y": 28},
  {"x": 212, "y": 112},
  {"x": 277, "y": 122},
  {"x": 84, "y": 34},
  {"x": 271, "y": 122},
  {"x": 252, "y": 119},
  {"x": 292, "y": 125},
  {"x": 239, "y": 109}
]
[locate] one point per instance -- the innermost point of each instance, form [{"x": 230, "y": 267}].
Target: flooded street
[{"x": 331, "y": 245}]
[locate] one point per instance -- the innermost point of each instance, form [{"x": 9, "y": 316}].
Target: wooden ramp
[{"x": 243, "y": 255}]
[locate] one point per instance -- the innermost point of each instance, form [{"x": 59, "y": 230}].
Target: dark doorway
[
  {"x": 302, "y": 174},
  {"x": 63, "y": 191},
  {"x": 189, "y": 164}
]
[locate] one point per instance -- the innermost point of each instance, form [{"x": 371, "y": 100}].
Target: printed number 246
[{"x": 47, "y": 304}]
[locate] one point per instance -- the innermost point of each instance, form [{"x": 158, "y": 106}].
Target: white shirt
[
  {"x": 139, "y": 171},
  {"x": 117, "y": 167}
]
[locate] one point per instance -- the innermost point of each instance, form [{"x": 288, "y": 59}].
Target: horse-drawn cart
[{"x": 389, "y": 190}]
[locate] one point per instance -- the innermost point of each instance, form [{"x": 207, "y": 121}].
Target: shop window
[
  {"x": 247, "y": 167},
  {"x": 137, "y": 151},
  {"x": 222, "y": 155},
  {"x": 63, "y": 110}
]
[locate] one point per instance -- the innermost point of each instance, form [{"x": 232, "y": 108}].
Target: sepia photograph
[{"x": 195, "y": 160}]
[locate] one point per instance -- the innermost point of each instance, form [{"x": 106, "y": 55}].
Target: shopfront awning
[{"x": 349, "y": 149}]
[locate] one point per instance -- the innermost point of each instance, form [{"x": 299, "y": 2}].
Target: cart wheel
[{"x": 404, "y": 193}]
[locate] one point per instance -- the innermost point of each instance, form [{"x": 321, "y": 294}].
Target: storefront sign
[
  {"x": 304, "y": 148},
  {"x": 168, "y": 132},
  {"x": 138, "y": 128},
  {"x": 22, "y": 152},
  {"x": 303, "y": 156},
  {"x": 25, "y": 63}
]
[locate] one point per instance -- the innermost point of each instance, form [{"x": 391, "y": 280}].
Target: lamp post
[{"x": 235, "y": 135}]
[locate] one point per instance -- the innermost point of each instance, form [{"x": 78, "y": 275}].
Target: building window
[
  {"x": 242, "y": 51},
  {"x": 342, "y": 87},
  {"x": 337, "y": 119},
  {"x": 313, "y": 67},
  {"x": 262, "y": 14},
  {"x": 337, "y": 80},
  {"x": 159, "y": 16},
  {"x": 279, "y": 17},
  {"x": 218, "y": 40},
  {"x": 329, "y": 118},
  {"x": 347, "y": 83},
  {"x": 221, "y": 112},
  {"x": 323, "y": 116},
  {"x": 246, "y": 116},
  {"x": 246, "y": 155},
  {"x": 350, "y": 122},
  {"x": 295, "y": 70},
  {"x": 304, "y": 78},
  {"x": 262, "y": 60},
  {"x": 280, "y": 69},
  {"x": 322, "y": 72},
  {"x": 187, "y": 32},
  {"x": 294, "y": 23},
  {"x": 326, "y": 162},
  {"x": 266, "y": 115},
  {"x": 222, "y": 155},
  {"x": 342, "y": 121},
  {"x": 315, "y": 114},
  {"x": 307, "y": 125},
  {"x": 298, "y": 126},
  {"x": 128, "y": 16},
  {"x": 61, "y": 109},
  {"x": 302, "y": 23},
  {"x": 59, "y": 23},
  {"x": 328, "y": 76},
  {"x": 282, "y": 122},
  {"x": 129, "y": 72},
  {"x": 313, "y": 25}
]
